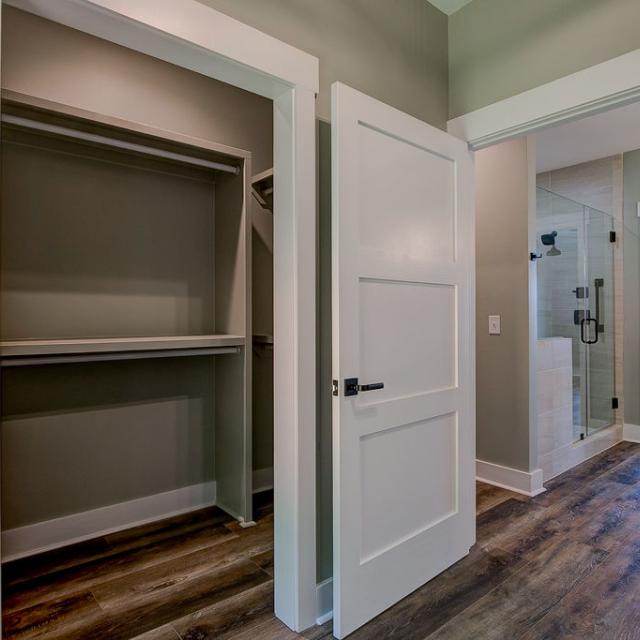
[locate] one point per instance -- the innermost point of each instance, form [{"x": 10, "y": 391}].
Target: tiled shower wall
[
  {"x": 597, "y": 184},
  {"x": 632, "y": 287}
]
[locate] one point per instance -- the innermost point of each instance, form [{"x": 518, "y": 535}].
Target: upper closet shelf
[
  {"x": 30, "y": 352},
  {"x": 262, "y": 189}
]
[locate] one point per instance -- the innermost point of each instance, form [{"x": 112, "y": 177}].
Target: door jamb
[{"x": 196, "y": 37}]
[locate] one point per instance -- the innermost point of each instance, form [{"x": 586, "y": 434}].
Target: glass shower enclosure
[{"x": 575, "y": 275}]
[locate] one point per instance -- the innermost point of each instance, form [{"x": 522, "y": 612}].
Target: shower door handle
[
  {"x": 599, "y": 284},
  {"x": 583, "y": 323}
]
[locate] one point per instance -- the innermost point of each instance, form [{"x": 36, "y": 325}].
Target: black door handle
[
  {"x": 584, "y": 322},
  {"x": 599, "y": 283},
  {"x": 352, "y": 388},
  {"x": 374, "y": 386}
]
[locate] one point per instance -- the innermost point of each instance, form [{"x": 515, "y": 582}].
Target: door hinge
[
  {"x": 614, "y": 403},
  {"x": 612, "y": 236},
  {"x": 335, "y": 388}
]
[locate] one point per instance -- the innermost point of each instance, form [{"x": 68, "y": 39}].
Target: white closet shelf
[{"x": 157, "y": 346}]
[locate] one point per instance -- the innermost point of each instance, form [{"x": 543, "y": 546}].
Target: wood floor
[{"x": 563, "y": 565}]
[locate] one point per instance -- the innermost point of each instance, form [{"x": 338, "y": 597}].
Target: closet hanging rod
[
  {"x": 106, "y": 357},
  {"x": 120, "y": 144}
]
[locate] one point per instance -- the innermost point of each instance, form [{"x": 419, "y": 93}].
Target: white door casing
[{"x": 403, "y": 287}]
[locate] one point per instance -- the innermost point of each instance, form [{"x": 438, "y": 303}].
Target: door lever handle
[
  {"x": 373, "y": 386},
  {"x": 352, "y": 387}
]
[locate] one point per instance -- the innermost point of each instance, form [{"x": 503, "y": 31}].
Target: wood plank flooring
[{"x": 563, "y": 565}]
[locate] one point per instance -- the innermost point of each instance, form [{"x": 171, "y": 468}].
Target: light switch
[{"x": 494, "y": 325}]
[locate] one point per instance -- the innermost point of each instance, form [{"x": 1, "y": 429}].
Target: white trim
[
  {"x": 161, "y": 27},
  {"x": 528, "y": 483},
  {"x": 325, "y": 601},
  {"x": 294, "y": 269},
  {"x": 262, "y": 479},
  {"x": 191, "y": 35},
  {"x": 59, "y": 532},
  {"x": 571, "y": 455},
  {"x": 609, "y": 84},
  {"x": 631, "y": 432}
]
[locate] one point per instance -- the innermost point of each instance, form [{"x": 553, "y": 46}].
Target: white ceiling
[
  {"x": 599, "y": 136},
  {"x": 449, "y": 6}
]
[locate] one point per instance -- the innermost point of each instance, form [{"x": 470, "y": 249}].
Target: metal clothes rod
[
  {"x": 24, "y": 361},
  {"x": 120, "y": 144}
]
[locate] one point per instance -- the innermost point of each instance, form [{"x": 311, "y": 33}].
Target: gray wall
[
  {"x": 393, "y": 51},
  {"x": 498, "y": 48},
  {"x": 631, "y": 163},
  {"x": 502, "y": 287},
  {"x": 101, "y": 435}
]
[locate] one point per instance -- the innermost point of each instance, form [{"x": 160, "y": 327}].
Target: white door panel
[{"x": 403, "y": 274}]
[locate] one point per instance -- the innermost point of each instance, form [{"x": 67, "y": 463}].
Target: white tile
[{"x": 544, "y": 354}]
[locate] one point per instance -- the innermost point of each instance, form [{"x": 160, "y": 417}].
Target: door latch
[{"x": 352, "y": 388}]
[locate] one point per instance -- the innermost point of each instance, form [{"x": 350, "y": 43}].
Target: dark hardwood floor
[{"x": 563, "y": 565}]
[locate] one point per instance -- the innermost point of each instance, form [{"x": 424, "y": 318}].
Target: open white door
[{"x": 403, "y": 283}]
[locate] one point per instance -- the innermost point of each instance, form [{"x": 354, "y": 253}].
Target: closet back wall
[{"x": 70, "y": 452}]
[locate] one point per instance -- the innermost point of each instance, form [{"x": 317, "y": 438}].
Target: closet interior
[
  {"x": 124, "y": 249},
  {"x": 136, "y": 339}
]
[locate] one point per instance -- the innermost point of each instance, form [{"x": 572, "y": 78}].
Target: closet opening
[{"x": 136, "y": 347}]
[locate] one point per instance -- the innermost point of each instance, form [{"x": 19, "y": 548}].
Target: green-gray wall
[
  {"x": 395, "y": 51},
  {"x": 504, "y": 175},
  {"x": 499, "y": 48}
]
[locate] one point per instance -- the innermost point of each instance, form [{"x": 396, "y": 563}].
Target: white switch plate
[{"x": 494, "y": 325}]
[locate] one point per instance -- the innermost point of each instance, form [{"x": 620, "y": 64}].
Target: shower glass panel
[
  {"x": 575, "y": 301},
  {"x": 600, "y": 356}
]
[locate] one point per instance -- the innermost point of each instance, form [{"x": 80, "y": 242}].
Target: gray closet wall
[{"x": 66, "y": 447}]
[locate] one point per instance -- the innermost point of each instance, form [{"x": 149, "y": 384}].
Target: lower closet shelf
[{"x": 33, "y": 352}]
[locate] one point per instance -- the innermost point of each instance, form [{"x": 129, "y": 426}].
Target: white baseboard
[
  {"x": 262, "y": 479},
  {"x": 59, "y": 532},
  {"x": 77, "y": 527},
  {"x": 631, "y": 432},
  {"x": 571, "y": 455},
  {"x": 528, "y": 483},
  {"x": 325, "y": 601}
]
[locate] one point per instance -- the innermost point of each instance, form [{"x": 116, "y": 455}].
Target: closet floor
[
  {"x": 196, "y": 576},
  {"x": 565, "y": 564}
]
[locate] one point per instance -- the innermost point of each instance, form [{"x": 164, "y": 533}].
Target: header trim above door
[{"x": 604, "y": 86}]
